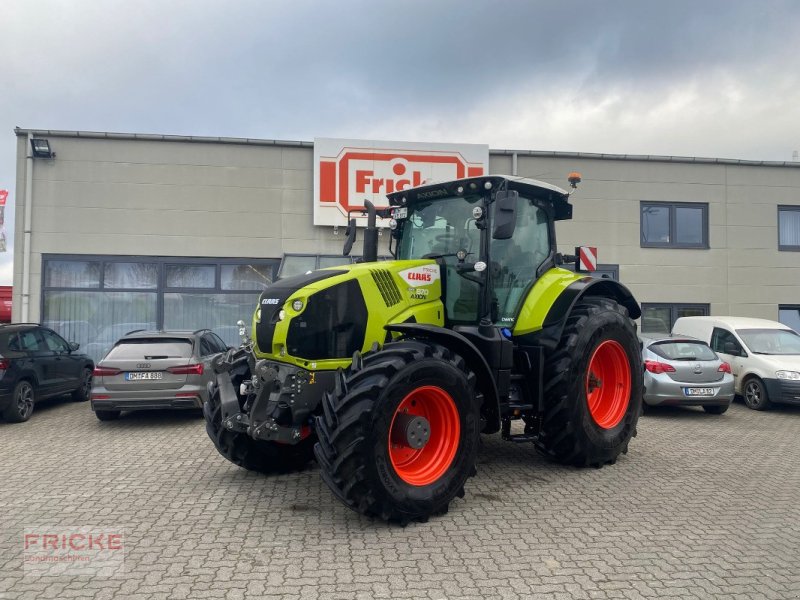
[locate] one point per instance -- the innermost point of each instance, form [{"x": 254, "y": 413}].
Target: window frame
[
  {"x": 161, "y": 288},
  {"x": 673, "y": 206},
  {"x": 787, "y": 247},
  {"x": 673, "y": 314}
]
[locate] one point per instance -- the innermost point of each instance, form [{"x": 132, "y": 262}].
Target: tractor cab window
[
  {"x": 514, "y": 261},
  {"x": 442, "y": 227}
]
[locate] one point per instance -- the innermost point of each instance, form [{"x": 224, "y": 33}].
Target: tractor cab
[{"x": 492, "y": 237}]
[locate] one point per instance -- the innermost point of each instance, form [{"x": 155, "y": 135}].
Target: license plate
[
  {"x": 400, "y": 213},
  {"x": 699, "y": 391},
  {"x": 145, "y": 375}
]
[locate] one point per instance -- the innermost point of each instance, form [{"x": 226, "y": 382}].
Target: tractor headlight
[
  {"x": 258, "y": 315},
  {"x": 297, "y": 305},
  {"x": 789, "y": 375},
  {"x": 393, "y": 224},
  {"x": 281, "y": 315}
]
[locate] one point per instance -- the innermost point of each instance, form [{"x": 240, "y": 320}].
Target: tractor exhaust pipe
[{"x": 370, "y": 234}]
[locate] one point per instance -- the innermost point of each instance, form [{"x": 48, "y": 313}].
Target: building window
[
  {"x": 674, "y": 224},
  {"x": 94, "y": 300},
  {"x": 789, "y": 314},
  {"x": 659, "y": 317},
  {"x": 789, "y": 228}
]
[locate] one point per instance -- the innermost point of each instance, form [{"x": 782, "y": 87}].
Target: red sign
[
  {"x": 3, "y": 197},
  {"x": 348, "y": 172}
]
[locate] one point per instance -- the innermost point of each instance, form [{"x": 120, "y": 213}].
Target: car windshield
[
  {"x": 151, "y": 349},
  {"x": 770, "y": 341},
  {"x": 683, "y": 350}
]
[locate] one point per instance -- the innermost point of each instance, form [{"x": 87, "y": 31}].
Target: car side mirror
[
  {"x": 73, "y": 346},
  {"x": 731, "y": 348},
  {"x": 505, "y": 214}
]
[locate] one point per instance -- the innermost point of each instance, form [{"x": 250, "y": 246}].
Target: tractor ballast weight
[{"x": 387, "y": 372}]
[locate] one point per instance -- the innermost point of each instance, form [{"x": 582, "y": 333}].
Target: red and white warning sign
[{"x": 587, "y": 258}]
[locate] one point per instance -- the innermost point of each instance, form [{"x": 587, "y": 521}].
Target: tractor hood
[{"x": 324, "y": 316}]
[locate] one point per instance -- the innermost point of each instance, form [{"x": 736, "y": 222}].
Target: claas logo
[{"x": 357, "y": 175}]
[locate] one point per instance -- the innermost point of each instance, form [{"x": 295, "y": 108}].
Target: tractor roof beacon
[{"x": 388, "y": 371}]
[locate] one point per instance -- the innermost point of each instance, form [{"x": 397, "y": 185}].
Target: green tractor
[{"x": 387, "y": 372}]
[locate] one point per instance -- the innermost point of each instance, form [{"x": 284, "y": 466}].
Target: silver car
[
  {"x": 155, "y": 369},
  {"x": 679, "y": 370}
]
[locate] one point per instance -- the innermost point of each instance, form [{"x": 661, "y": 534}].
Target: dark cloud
[{"x": 681, "y": 77}]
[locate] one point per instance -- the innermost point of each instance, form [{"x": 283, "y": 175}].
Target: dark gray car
[
  {"x": 155, "y": 369},
  {"x": 680, "y": 370}
]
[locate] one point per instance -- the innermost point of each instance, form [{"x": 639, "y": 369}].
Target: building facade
[{"x": 116, "y": 232}]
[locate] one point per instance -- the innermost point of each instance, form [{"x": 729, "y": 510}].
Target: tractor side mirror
[
  {"x": 505, "y": 214},
  {"x": 350, "y": 232}
]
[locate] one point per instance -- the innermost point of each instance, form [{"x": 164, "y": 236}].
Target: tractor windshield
[{"x": 442, "y": 227}]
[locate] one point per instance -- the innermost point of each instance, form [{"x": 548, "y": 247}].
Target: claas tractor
[{"x": 388, "y": 371}]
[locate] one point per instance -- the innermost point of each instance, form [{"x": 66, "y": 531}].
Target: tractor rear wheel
[
  {"x": 399, "y": 435},
  {"x": 592, "y": 387},
  {"x": 254, "y": 455}
]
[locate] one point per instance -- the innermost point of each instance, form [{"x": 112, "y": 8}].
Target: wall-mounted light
[{"x": 41, "y": 148}]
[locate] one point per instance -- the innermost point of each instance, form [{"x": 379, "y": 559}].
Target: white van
[{"x": 764, "y": 355}]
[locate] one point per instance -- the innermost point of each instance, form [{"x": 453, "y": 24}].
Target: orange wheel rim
[
  {"x": 425, "y": 465},
  {"x": 608, "y": 384}
]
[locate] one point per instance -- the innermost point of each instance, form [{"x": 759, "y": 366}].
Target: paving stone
[{"x": 703, "y": 506}]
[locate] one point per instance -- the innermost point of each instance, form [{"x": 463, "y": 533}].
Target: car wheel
[
  {"x": 107, "y": 415},
  {"x": 755, "y": 394},
  {"x": 715, "y": 409},
  {"x": 81, "y": 394},
  {"x": 21, "y": 407}
]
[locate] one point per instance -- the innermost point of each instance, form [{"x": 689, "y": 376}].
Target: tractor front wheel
[
  {"x": 399, "y": 435},
  {"x": 593, "y": 386}
]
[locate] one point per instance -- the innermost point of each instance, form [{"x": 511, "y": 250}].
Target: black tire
[
  {"x": 354, "y": 451},
  {"x": 754, "y": 393},
  {"x": 716, "y": 409},
  {"x": 254, "y": 455},
  {"x": 23, "y": 398},
  {"x": 569, "y": 433},
  {"x": 82, "y": 393},
  {"x": 107, "y": 415}
]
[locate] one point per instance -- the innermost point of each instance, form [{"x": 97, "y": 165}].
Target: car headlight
[{"x": 790, "y": 375}]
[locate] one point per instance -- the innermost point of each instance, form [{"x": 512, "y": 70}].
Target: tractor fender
[
  {"x": 554, "y": 322},
  {"x": 464, "y": 348}
]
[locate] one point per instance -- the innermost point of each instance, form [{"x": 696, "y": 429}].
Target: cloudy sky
[{"x": 680, "y": 77}]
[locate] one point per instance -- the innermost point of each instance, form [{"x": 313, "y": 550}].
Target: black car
[{"x": 37, "y": 363}]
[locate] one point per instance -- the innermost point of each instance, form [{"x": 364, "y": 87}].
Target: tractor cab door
[
  {"x": 441, "y": 229},
  {"x": 514, "y": 261}
]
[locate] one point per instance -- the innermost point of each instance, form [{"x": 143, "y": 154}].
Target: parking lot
[{"x": 702, "y": 506}]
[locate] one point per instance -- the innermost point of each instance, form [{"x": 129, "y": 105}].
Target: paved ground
[{"x": 702, "y": 506}]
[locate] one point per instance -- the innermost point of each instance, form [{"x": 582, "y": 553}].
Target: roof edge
[
  {"x": 21, "y": 131},
  {"x": 157, "y": 137}
]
